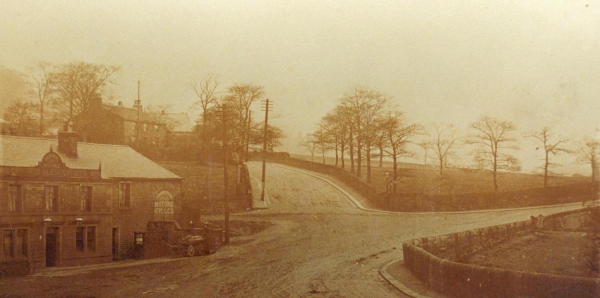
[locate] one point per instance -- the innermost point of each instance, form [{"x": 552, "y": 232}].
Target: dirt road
[{"x": 320, "y": 245}]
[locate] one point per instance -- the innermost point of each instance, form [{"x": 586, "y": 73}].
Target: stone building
[
  {"x": 110, "y": 124},
  {"x": 68, "y": 203}
]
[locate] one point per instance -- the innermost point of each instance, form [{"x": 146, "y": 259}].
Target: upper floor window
[
  {"x": 124, "y": 194},
  {"x": 145, "y": 127},
  {"x": 156, "y": 128},
  {"x": 15, "y": 198},
  {"x": 86, "y": 198},
  {"x": 51, "y": 198}
]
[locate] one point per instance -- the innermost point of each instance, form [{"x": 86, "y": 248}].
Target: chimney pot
[{"x": 120, "y": 103}]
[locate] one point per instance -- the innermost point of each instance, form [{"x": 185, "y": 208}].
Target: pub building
[{"x": 68, "y": 203}]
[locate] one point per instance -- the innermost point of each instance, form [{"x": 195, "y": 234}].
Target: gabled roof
[
  {"x": 118, "y": 161},
  {"x": 131, "y": 114},
  {"x": 180, "y": 121}
]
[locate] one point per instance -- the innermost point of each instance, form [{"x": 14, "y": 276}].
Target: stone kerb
[{"x": 436, "y": 262}]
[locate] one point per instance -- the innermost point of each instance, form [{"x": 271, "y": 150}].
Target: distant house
[
  {"x": 181, "y": 140},
  {"x": 67, "y": 203},
  {"x": 109, "y": 124},
  {"x": 178, "y": 123}
]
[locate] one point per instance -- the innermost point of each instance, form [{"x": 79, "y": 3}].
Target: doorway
[
  {"x": 115, "y": 244},
  {"x": 51, "y": 247}
]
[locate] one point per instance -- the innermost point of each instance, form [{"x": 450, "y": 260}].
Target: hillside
[{"x": 420, "y": 178}]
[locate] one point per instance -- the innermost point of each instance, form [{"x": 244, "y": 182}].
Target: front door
[
  {"x": 115, "y": 244},
  {"x": 51, "y": 247}
]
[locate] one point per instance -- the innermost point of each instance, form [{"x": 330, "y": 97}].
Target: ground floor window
[
  {"x": 85, "y": 239},
  {"x": 15, "y": 243}
]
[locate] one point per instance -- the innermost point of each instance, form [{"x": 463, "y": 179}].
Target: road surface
[{"x": 320, "y": 245}]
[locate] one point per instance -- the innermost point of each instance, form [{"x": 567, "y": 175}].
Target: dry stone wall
[{"x": 437, "y": 262}]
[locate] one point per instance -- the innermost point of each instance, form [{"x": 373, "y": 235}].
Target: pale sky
[{"x": 535, "y": 63}]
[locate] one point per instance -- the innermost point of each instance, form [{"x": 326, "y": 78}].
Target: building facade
[
  {"x": 65, "y": 203},
  {"x": 110, "y": 124}
]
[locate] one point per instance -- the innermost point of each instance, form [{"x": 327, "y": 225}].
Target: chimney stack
[
  {"x": 120, "y": 103},
  {"x": 67, "y": 141}
]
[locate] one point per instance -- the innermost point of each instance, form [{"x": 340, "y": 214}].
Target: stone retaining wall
[{"x": 436, "y": 262}]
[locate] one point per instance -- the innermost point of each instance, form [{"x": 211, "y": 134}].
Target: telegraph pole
[
  {"x": 266, "y": 108},
  {"x": 225, "y": 194},
  {"x": 248, "y": 133},
  {"x": 137, "y": 125}
]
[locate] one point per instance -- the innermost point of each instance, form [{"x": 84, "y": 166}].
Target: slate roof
[
  {"x": 181, "y": 121},
  {"x": 131, "y": 114},
  {"x": 118, "y": 161}
]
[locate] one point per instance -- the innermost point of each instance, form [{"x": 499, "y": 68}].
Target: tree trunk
[
  {"x": 380, "y": 156},
  {"x": 351, "y": 152},
  {"x": 342, "y": 149},
  {"x": 41, "y": 118},
  {"x": 441, "y": 166},
  {"x": 494, "y": 173},
  {"x": 323, "y": 153},
  {"x": 368, "y": 157},
  {"x": 395, "y": 175},
  {"x": 336, "y": 152},
  {"x": 546, "y": 172},
  {"x": 359, "y": 158}
]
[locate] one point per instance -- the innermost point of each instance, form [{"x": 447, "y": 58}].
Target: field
[
  {"x": 420, "y": 178},
  {"x": 533, "y": 253}
]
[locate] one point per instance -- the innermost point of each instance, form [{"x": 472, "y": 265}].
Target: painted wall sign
[{"x": 164, "y": 206}]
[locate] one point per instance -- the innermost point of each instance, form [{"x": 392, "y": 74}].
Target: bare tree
[
  {"x": 20, "y": 118},
  {"x": 323, "y": 139},
  {"x": 444, "y": 138},
  {"x": 207, "y": 93},
  {"x": 493, "y": 136},
  {"x": 42, "y": 76},
  {"x": 77, "y": 84},
  {"x": 426, "y": 146},
  {"x": 551, "y": 144},
  {"x": 311, "y": 145},
  {"x": 13, "y": 87},
  {"x": 398, "y": 135},
  {"x": 365, "y": 106},
  {"x": 240, "y": 97},
  {"x": 588, "y": 152}
]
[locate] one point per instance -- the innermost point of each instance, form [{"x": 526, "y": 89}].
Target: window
[
  {"x": 91, "y": 238},
  {"x": 15, "y": 198},
  {"x": 139, "y": 238},
  {"x": 86, "y": 198},
  {"x": 145, "y": 127},
  {"x": 85, "y": 239},
  {"x": 156, "y": 128},
  {"x": 79, "y": 238},
  {"x": 51, "y": 198},
  {"x": 124, "y": 194},
  {"x": 15, "y": 243}
]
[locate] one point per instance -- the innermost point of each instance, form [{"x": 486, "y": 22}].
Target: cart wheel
[{"x": 190, "y": 251}]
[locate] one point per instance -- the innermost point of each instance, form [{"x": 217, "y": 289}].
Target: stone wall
[
  {"x": 204, "y": 185},
  {"x": 436, "y": 262}
]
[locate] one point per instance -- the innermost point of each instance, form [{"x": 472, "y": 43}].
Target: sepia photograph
[{"x": 304, "y": 148}]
